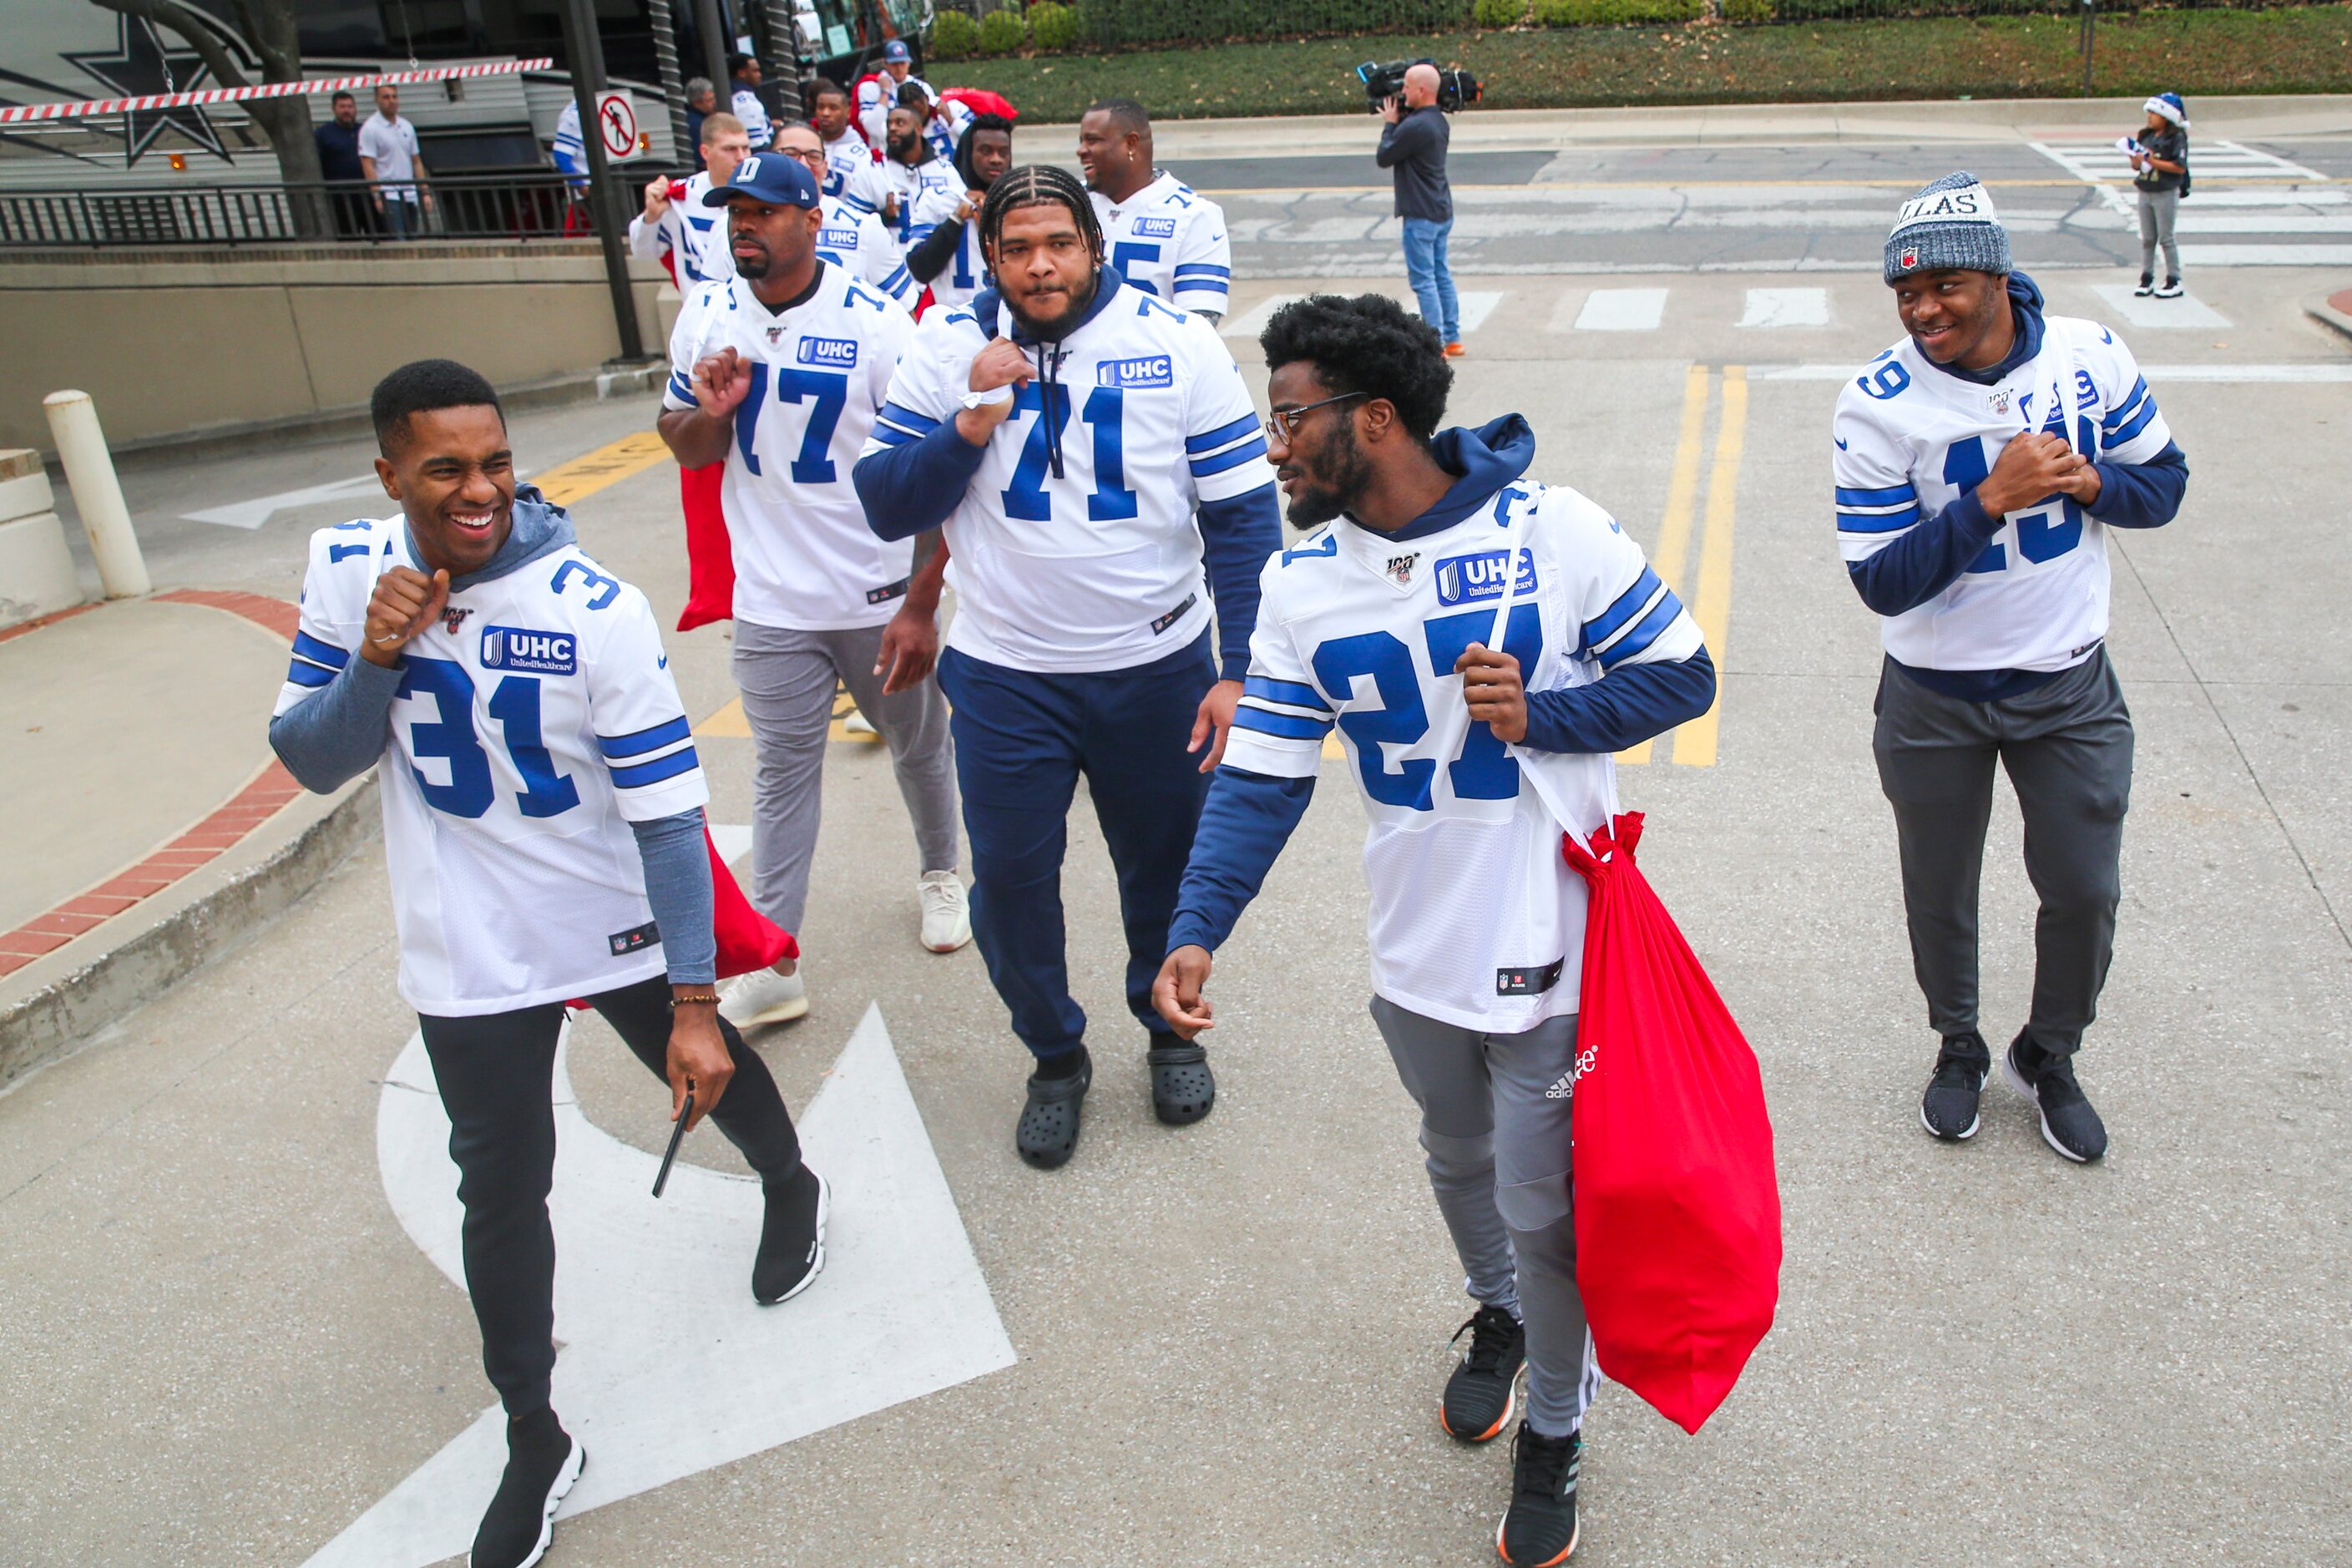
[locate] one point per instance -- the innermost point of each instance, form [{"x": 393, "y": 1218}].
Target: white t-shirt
[
  {"x": 754, "y": 116},
  {"x": 855, "y": 239},
  {"x": 1168, "y": 240},
  {"x": 1098, "y": 567},
  {"x": 692, "y": 236},
  {"x": 1909, "y": 437},
  {"x": 392, "y": 144},
  {"x": 805, "y": 558},
  {"x": 536, "y": 720},
  {"x": 1475, "y": 919}
]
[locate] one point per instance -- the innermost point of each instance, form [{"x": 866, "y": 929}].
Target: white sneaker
[
  {"x": 765, "y": 996},
  {"x": 947, "y": 916},
  {"x": 858, "y": 724}
]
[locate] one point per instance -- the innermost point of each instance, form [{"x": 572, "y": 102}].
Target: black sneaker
[
  {"x": 2068, "y": 1123},
  {"x": 1539, "y": 1528},
  {"x": 1048, "y": 1133},
  {"x": 1183, "y": 1087},
  {"x": 542, "y": 1461},
  {"x": 792, "y": 1238},
  {"x": 2171, "y": 289},
  {"x": 2146, "y": 285},
  {"x": 1484, "y": 1390},
  {"x": 1948, "y": 1109}
]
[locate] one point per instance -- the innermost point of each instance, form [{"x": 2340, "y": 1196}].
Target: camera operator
[{"x": 1414, "y": 147}]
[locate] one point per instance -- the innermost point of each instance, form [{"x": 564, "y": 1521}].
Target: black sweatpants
[
  {"x": 2067, "y": 747},
  {"x": 496, "y": 1076}
]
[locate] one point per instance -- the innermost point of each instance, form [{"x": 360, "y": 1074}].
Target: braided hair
[{"x": 1038, "y": 186}]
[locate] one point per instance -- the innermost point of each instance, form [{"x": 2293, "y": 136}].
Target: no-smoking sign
[{"x": 616, "y": 122}]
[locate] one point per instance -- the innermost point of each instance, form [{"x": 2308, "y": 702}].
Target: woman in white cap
[{"x": 2159, "y": 158}]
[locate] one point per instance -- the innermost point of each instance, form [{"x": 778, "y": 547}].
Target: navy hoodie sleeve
[
  {"x": 1632, "y": 703},
  {"x": 1927, "y": 560},
  {"x": 1236, "y": 536},
  {"x": 912, "y": 488},
  {"x": 2142, "y": 495},
  {"x": 1244, "y": 822}
]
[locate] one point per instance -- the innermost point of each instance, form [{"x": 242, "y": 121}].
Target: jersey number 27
[{"x": 1484, "y": 770}]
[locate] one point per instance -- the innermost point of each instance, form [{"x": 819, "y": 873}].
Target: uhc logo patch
[
  {"x": 1155, "y": 370},
  {"x": 836, "y": 239},
  {"x": 1467, "y": 579},
  {"x": 838, "y": 353},
  {"x": 1155, "y": 228},
  {"x": 540, "y": 653}
]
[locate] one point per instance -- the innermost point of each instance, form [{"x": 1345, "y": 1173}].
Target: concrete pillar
[
  {"x": 36, "y": 570},
  {"x": 98, "y": 494}
]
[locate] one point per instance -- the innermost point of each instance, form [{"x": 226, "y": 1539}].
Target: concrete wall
[{"x": 171, "y": 343}]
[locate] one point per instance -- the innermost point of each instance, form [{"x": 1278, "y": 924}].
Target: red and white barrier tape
[{"x": 18, "y": 112}]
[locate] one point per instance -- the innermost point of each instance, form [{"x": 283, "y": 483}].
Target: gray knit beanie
[{"x": 1950, "y": 223}]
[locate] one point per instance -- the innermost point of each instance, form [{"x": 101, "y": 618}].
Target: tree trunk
[{"x": 286, "y": 123}]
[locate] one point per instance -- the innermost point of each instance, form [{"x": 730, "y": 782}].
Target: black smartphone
[{"x": 661, "y": 1177}]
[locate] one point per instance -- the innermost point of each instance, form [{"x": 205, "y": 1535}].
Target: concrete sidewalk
[{"x": 141, "y": 796}]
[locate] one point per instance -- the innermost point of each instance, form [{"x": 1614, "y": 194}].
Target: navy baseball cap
[
  {"x": 776, "y": 178},
  {"x": 895, "y": 49}
]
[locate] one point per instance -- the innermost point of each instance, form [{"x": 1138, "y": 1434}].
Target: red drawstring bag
[
  {"x": 710, "y": 553},
  {"x": 980, "y": 100},
  {"x": 1678, "y": 1207},
  {"x": 748, "y": 940}
]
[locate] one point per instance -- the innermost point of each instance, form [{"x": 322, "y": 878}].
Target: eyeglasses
[{"x": 1282, "y": 422}]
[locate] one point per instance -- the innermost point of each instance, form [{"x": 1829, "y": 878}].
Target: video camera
[{"x": 1456, "y": 89}]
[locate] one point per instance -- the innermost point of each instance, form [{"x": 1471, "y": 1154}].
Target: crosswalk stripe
[
  {"x": 1475, "y": 305},
  {"x": 1621, "y": 310},
  {"x": 2182, "y": 313},
  {"x": 1786, "y": 308},
  {"x": 1251, "y": 321}
]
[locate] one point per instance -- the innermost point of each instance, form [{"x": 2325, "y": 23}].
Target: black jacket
[
  {"x": 338, "y": 151},
  {"x": 1413, "y": 149},
  {"x": 2171, "y": 145}
]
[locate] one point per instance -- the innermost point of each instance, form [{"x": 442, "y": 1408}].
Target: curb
[
  {"x": 52, "y": 1021},
  {"x": 344, "y": 424},
  {"x": 2325, "y": 311}
]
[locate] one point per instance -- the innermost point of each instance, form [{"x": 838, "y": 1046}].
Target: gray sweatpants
[
  {"x": 2067, "y": 745},
  {"x": 1494, "y": 1125},
  {"x": 787, "y": 681},
  {"x": 2157, "y": 211}
]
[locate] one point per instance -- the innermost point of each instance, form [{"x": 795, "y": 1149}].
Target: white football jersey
[
  {"x": 917, "y": 187},
  {"x": 1096, "y": 566},
  {"x": 805, "y": 558},
  {"x": 1910, "y": 438},
  {"x": 1475, "y": 917},
  {"x": 963, "y": 275},
  {"x": 849, "y": 170},
  {"x": 692, "y": 236},
  {"x": 1168, "y": 240},
  {"x": 754, "y": 115},
  {"x": 854, "y": 240},
  {"x": 536, "y": 720}
]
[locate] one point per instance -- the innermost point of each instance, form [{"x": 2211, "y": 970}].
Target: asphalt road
[{"x": 219, "y": 1346}]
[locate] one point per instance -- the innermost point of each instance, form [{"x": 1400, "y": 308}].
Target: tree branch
[{"x": 180, "y": 20}]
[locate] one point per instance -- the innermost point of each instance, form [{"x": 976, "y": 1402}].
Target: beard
[
  {"x": 750, "y": 266},
  {"x": 903, "y": 147},
  {"x": 1051, "y": 329},
  {"x": 1331, "y": 484}
]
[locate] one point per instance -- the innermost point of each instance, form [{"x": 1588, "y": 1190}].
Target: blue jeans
[
  {"x": 1022, "y": 742},
  {"x": 401, "y": 220},
  {"x": 1431, "y": 280}
]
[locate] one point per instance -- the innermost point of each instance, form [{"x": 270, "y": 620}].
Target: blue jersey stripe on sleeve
[
  {"x": 1876, "y": 523},
  {"x": 1201, "y": 269},
  {"x": 637, "y": 745},
  {"x": 1284, "y": 726},
  {"x": 326, "y": 653},
  {"x": 2125, "y": 434},
  {"x": 1602, "y": 626},
  {"x": 1660, "y": 618},
  {"x": 1290, "y": 691},
  {"x": 891, "y": 436},
  {"x": 637, "y": 776},
  {"x": 305, "y": 674},
  {"x": 1200, "y": 286},
  {"x": 1211, "y": 440},
  {"x": 905, "y": 418},
  {"x": 1232, "y": 459},
  {"x": 1887, "y": 497},
  {"x": 2123, "y": 411}
]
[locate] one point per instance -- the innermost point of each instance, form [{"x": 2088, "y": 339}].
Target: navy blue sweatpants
[{"x": 1020, "y": 741}]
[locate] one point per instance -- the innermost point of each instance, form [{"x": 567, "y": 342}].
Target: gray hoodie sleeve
[
  {"x": 677, "y": 887},
  {"x": 338, "y": 731}
]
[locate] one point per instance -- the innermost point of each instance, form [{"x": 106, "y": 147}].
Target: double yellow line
[{"x": 1694, "y": 745}]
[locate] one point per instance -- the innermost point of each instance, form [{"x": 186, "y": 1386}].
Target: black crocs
[
  {"x": 1048, "y": 1133},
  {"x": 1182, "y": 1087}
]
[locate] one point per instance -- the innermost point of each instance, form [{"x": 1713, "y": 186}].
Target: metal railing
[{"x": 524, "y": 205}]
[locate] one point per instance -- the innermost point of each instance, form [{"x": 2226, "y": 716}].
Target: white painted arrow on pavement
[
  {"x": 668, "y": 1367},
  {"x": 250, "y": 515}
]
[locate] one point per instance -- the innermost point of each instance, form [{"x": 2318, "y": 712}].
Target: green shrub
[
  {"x": 1748, "y": 10},
  {"x": 1053, "y": 26},
  {"x": 1002, "y": 33},
  {"x": 954, "y": 36},
  {"x": 1614, "y": 12},
  {"x": 1124, "y": 24},
  {"x": 1497, "y": 14}
]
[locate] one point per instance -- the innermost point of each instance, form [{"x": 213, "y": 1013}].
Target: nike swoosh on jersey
[{"x": 1840, "y": 441}]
